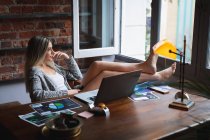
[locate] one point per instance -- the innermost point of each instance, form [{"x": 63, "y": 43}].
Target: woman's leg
[
  {"x": 162, "y": 75},
  {"x": 149, "y": 66},
  {"x": 95, "y": 83}
]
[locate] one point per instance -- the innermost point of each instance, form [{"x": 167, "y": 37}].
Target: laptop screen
[
  {"x": 111, "y": 88},
  {"x": 116, "y": 87}
]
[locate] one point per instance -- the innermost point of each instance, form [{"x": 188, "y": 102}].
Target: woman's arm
[
  {"x": 73, "y": 72},
  {"x": 73, "y": 68}
]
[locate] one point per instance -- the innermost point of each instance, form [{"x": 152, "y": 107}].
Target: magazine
[
  {"x": 39, "y": 120},
  {"x": 45, "y": 108},
  {"x": 164, "y": 89},
  {"x": 141, "y": 92},
  {"x": 144, "y": 94}
]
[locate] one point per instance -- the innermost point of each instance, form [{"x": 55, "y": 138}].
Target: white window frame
[{"x": 93, "y": 52}]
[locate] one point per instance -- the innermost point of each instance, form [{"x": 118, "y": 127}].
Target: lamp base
[
  {"x": 182, "y": 105},
  {"x": 180, "y": 95}
]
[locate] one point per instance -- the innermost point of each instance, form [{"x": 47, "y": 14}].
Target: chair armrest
[{"x": 74, "y": 83}]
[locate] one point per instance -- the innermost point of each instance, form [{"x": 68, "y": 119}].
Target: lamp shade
[{"x": 164, "y": 48}]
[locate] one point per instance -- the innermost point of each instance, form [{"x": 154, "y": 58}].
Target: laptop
[{"x": 111, "y": 88}]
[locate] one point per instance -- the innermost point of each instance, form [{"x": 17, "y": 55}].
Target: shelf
[
  {"x": 65, "y": 47},
  {"x": 32, "y": 16},
  {"x": 58, "y": 46},
  {"x": 39, "y": 15},
  {"x": 12, "y": 49}
]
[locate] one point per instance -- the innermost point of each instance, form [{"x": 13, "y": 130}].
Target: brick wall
[{"x": 20, "y": 20}]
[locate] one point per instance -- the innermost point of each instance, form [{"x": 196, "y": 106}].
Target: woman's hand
[
  {"x": 73, "y": 92},
  {"x": 60, "y": 54}
]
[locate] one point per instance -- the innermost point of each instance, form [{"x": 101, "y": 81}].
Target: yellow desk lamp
[{"x": 168, "y": 50}]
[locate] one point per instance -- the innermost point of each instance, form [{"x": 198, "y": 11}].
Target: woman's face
[{"x": 49, "y": 54}]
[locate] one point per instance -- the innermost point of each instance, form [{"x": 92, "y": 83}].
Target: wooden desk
[{"x": 144, "y": 120}]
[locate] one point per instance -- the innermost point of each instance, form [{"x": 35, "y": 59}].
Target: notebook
[{"x": 111, "y": 88}]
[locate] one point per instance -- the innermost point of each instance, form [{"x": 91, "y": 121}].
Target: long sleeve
[
  {"x": 41, "y": 88},
  {"x": 74, "y": 68}
]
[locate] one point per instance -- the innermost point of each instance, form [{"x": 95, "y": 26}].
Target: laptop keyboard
[{"x": 92, "y": 98}]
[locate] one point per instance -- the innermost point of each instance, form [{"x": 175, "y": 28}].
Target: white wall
[{"x": 13, "y": 92}]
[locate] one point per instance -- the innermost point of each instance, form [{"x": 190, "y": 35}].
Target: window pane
[
  {"x": 96, "y": 23},
  {"x": 136, "y": 27},
  {"x": 177, "y": 18},
  {"x": 148, "y": 28},
  {"x": 208, "y": 50}
]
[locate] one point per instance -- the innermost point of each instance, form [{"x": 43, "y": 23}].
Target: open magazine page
[
  {"x": 141, "y": 92},
  {"x": 45, "y": 108},
  {"x": 39, "y": 120},
  {"x": 145, "y": 94}
]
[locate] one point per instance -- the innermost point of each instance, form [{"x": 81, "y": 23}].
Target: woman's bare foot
[
  {"x": 149, "y": 66},
  {"x": 166, "y": 73}
]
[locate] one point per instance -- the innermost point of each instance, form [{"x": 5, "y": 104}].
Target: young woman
[{"x": 44, "y": 79}]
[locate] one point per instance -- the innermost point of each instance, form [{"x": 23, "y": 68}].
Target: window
[
  {"x": 191, "y": 18},
  {"x": 208, "y": 48},
  {"x": 106, "y": 25},
  {"x": 203, "y": 41},
  {"x": 136, "y": 27},
  {"x": 177, "y": 21},
  {"x": 97, "y": 33},
  {"x": 100, "y": 31}
]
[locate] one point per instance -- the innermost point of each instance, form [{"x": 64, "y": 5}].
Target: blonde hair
[{"x": 37, "y": 47}]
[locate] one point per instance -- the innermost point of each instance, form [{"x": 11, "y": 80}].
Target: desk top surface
[{"x": 151, "y": 119}]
